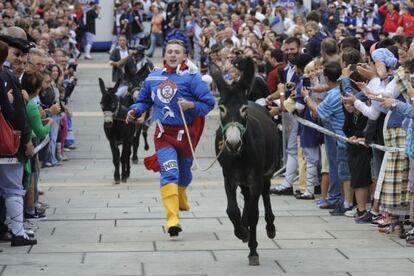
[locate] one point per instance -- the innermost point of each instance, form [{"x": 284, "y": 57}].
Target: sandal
[{"x": 305, "y": 196}]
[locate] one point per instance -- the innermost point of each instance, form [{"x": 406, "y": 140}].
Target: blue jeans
[
  {"x": 54, "y": 130},
  {"x": 155, "y": 39},
  {"x": 334, "y": 190}
]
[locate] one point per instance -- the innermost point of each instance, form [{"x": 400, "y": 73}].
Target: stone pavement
[{"x": 97, "y": 228}]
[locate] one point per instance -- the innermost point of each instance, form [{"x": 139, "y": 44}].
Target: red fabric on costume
[
  {"x": 151, "y": 162},
  {"x": 169, "y": 69}
]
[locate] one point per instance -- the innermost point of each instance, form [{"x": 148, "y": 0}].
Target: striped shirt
[{"x": 330, "y": 111}]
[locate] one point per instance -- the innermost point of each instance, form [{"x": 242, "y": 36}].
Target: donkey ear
[
  {"x": 118, "y": 82},
  {"x": 102, "y": 86},
  {"x": 217, "y": 76}
]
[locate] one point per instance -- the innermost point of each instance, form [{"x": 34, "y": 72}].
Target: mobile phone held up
[{"x": 306, "y": 82}]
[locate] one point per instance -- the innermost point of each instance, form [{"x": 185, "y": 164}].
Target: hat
[
  {"x": 386, "y": 56},
  {"x": 19, "y": 43}
]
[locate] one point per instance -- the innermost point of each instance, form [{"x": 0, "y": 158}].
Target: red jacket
[
  {"x": 407, "y": 22},
  {"x": 390, "y": 19},
  {"x": 273, "y": 78}
]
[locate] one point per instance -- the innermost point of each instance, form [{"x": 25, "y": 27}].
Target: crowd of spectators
[{"x": 39, "y": 51}]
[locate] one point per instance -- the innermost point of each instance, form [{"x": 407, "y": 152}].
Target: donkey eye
[
  {"x": 243, "y": 111},
  {"x": 223, "y": 110}
]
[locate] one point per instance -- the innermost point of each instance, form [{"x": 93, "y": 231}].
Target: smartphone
[
  {"x": 306, "y": 82},
  {"x": 353, "y": 67}
]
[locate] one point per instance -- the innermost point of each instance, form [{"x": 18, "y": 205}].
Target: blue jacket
[
  {"x": 162, "y": 91},
  {"x": 314, "y": 45}
]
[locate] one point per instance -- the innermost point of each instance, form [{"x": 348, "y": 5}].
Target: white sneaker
[{"x": 351, "y": 213}]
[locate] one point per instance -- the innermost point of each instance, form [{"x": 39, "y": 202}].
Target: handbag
[{"x": 10, "y": 138}]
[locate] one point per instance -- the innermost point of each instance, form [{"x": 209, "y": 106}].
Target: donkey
[
  {"x": 116, "y": 130},
  {"x": 247, "y": 138}
]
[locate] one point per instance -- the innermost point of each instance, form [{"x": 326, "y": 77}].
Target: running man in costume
[{"x": 165, "y": 89}]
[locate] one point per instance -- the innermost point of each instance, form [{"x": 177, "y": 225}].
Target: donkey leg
[
  {"x": 126, "y": 152},
  {"x": 233, "y": 211},
  {"x": 245, "y": 213},
  {"x": 115, "y": 161},
  {"x": 269, "y": 216},
  {"x": 253, "y": 219},
  {"x": 145, "y": 135},
  {"x": 135, "y": 144}
]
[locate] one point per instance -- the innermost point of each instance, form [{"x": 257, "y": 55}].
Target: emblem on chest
[{"x": 166, "y": 91}]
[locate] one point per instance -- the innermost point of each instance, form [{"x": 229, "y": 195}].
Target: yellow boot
[
  {"x": 169, "y": 194},
  {"x": 182, "y": 199}
]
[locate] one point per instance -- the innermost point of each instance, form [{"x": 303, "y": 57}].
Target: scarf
[{"x": 183, "y": 66}]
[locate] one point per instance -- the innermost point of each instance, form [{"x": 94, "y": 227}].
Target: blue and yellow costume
[{"x": 162, "y": 89}]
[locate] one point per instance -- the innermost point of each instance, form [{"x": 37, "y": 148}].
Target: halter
[{"x": 241, "y": 128}]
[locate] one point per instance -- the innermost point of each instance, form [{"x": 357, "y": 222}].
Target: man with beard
[
  {"x": 290, "y": 131},
  {"x": 11, "y": 182}
]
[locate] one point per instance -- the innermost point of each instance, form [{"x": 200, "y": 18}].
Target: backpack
[{"x": 10, "y": 138}]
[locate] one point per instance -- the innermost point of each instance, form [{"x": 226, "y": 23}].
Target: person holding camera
[
  {"x": 133, "y": 68},
  {"x": 119, "y": 53}
]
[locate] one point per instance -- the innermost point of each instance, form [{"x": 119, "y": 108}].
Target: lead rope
[{"x": 197, "y": 165}]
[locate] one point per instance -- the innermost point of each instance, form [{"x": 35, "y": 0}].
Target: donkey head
[
  {"x": 233, "y": 103},
  {"x": 109, "y": 102}
]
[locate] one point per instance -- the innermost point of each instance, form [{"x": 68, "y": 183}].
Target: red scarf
[{"x": 170, "y": 69}]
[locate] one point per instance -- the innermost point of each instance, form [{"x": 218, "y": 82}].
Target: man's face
[
  {"x": 46, "y": 81},
  {"x": 122, "y": 42},
  {"x": 174, "y": 55},
  {"x": 15, "y": 56},
  {"x": 37, "y": 63},
  {"x": 291, "y": 50}
]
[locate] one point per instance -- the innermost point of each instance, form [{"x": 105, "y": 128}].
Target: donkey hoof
[
  {"x": 254, "y": 260},
  {"x": 146, "y": 147},
  {"x": 117, "y": 181},
  {"x": 243, "y": 234},
  {"x": 134, "y": 160},
  {"x": 271, "y": 232},
  {"x": 124, "y": 180}
]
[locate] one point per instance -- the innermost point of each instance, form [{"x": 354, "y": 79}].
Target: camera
[
  {"x": 353, "y": 67},
  {"x": 306, "y": 82}
]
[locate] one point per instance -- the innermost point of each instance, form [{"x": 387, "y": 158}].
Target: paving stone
[
  {"x": 174, "y": 257},
  {"x": 362, "y": 265},
  {"x": 92, "y": 247},
  {"x": 40, "y": 259},
  {"x": 132, "y": 268},
  {"x": 282, "y": 235},
  {"x": 124, "y": 237},
  {"x": 71, "y": 216},
  {"x": 368, "y": 253},
  {"x": 208, "y": 245},
  {"x": 104, "y": 210},
  {"x": 281, "y": 254},
  {"x": 338, "y": 243}
]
